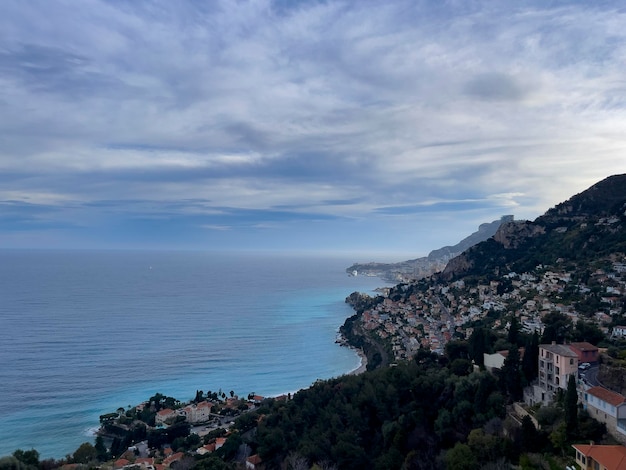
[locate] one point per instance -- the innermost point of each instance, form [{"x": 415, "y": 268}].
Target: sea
[{"x": 83, "y": 333}]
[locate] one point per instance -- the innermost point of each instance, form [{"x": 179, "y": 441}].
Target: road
[{"x": 590, "y": 376}]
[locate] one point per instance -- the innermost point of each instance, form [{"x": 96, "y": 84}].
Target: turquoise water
[{"x": 83, "y": 333}]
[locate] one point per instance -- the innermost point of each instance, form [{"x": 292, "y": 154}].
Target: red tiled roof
[
  {"x": 611, "y": 457},
  {"x": 173, "y": 458},
  {"x": 608, "y": 396},
  {"x": 219, "y": 442},
  {"x": 120, "y": 463},
  {"x": 165, "y": 412},
  {"x": 254, "y": 459},
  {"x": 584, "y": 346}
]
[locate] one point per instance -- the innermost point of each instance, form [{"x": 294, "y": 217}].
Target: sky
[{"x": 386, "y": 129}]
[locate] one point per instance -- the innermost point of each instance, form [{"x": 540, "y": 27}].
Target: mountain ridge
[{"x": 436, "y": 260}]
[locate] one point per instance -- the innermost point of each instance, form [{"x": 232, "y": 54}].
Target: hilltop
[{"x": 586, "y": 227}]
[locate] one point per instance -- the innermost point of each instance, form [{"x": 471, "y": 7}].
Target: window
[{"x": 571, "y": 362}]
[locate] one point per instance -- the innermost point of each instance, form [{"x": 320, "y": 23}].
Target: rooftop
[
  {"x": 607, "y": 396},
  {"x": 560, "y": 349},
  {"x": 611, "y": 457}
]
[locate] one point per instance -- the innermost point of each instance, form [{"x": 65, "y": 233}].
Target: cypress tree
[{"x": 571, "y": 408}]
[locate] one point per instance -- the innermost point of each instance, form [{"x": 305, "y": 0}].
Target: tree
[
  {"x": 478, "y": 346},
  {"x": 27, "y": 457},
  {"x": 511, "y": 374},
  {"x": 571, "y": 408},
  {"x": 530, "y": 361},
  {"x": 513, "y": 335},
  {"x": 589, "y": 332},
  {"x": 85, "y": 453},
  {"x": 557, "y": 328},
  {"x": 460, "y": 457},
  {"x": 11, "y": 463},
  {"x": 529, "y": 436},
  {"x": 101, "y": 450},
  {"x": 558, "y": 437},
  {"x": 457, "y": 350}
]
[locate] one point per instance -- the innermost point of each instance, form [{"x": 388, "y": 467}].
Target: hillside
[
  {"x": 582, "y": 229},
  {"x": 425, "y": 266}
]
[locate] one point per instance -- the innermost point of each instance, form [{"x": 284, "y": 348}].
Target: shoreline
[{"x": 362, "y": 366}]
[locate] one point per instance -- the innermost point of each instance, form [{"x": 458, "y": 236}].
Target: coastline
[{"x": 362, "y": 366}]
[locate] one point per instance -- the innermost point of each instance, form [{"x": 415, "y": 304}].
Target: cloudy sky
[{"x": 348, "y": 126}]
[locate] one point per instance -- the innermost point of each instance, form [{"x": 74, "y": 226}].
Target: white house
[
  {"x": 619, "y": 332},
  {"x": 609, "y": 408}
]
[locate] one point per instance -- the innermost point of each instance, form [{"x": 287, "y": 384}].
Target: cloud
[
  {"x": 495, "y": 86},
  {"x": 263, "y": 113}
]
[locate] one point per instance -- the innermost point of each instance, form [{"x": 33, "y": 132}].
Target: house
[
  {"x": 496, "y": 360},
  {"x": 164, "y": 415},
  {"x": 206, "y": 449},
  {"x": 173, "y": 458},
  {"x": 121, "y": 463},
  {"x": 253, "y": 462},
  {"x": 597, "y": 457},
  {"x": 146, "y": 462},
  {"x": 586, "y": 352},
  {"x": 197, "y": 413},
  {"x": 557, "y": 362},
  {"x": 619, "y": 331},
  {"x": 219, "y": 442},
  {"x": 609, "y": 408}
]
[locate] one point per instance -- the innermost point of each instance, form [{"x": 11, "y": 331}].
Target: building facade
[
  {"x": 609, "y": 408},
  {"x": 557, "y": 362}
]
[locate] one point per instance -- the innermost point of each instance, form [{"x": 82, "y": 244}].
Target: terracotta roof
[
  {"x": 120, "y": 463},
  {"x": 608, "y": 396},
  {"x": 219, "y": 442},
  {"x": 165, "y": 412},
  {"x": 611, "y": 457},
  {"x": 254, "y": 459},
  {"x": 173, "y": 458},
  {"x": 584, "y": 346}
]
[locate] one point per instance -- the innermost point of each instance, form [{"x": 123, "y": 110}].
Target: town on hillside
[{"x": 428, "y": 315}]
